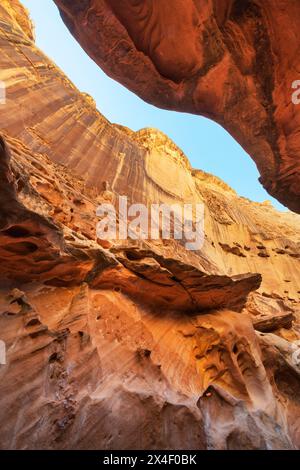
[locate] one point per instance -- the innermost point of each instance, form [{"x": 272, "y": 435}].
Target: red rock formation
[
  {"x": 136, "y": 344},
  {"x": 232, "y": 61}
]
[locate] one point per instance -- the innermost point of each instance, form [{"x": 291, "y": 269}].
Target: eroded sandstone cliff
[
  {"x": 232, "y": 60},
  {"x": 132, "y": 344}
]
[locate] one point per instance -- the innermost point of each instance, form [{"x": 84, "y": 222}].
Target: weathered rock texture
[
  {"x": 233, "y": 61},
  {"x": 132, "y": 344}
]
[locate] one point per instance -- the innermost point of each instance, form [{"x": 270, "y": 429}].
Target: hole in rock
[
  {"x": 20, "y": 185},
  {"x": 208, "y": 392},
  {"x": 21, "y": 248},
  {"x": 17, "y": 232},
  {"x": 33, "y": 322},
  {"x": 53, "y": 357},
  {"x": 141, "y": 353},
  {"x": 9, "y": 314},
  {"x": 132, "y": 256}
]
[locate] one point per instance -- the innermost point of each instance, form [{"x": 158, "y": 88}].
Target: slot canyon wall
[
  {"x": 132, "y": 344},
  {"x": 233, "y": 61}
]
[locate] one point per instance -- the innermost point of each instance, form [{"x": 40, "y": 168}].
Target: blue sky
[{"x": 207, "y": 145}]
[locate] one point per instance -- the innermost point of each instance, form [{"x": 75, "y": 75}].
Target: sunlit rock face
[
  {"x": 132, "y": 344},
  {"x": 232, "y": 61}
]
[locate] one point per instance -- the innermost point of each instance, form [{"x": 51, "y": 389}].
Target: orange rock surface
[
  {"x": 132, "y": 344},
  {"x": 230, "y": 60}
]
